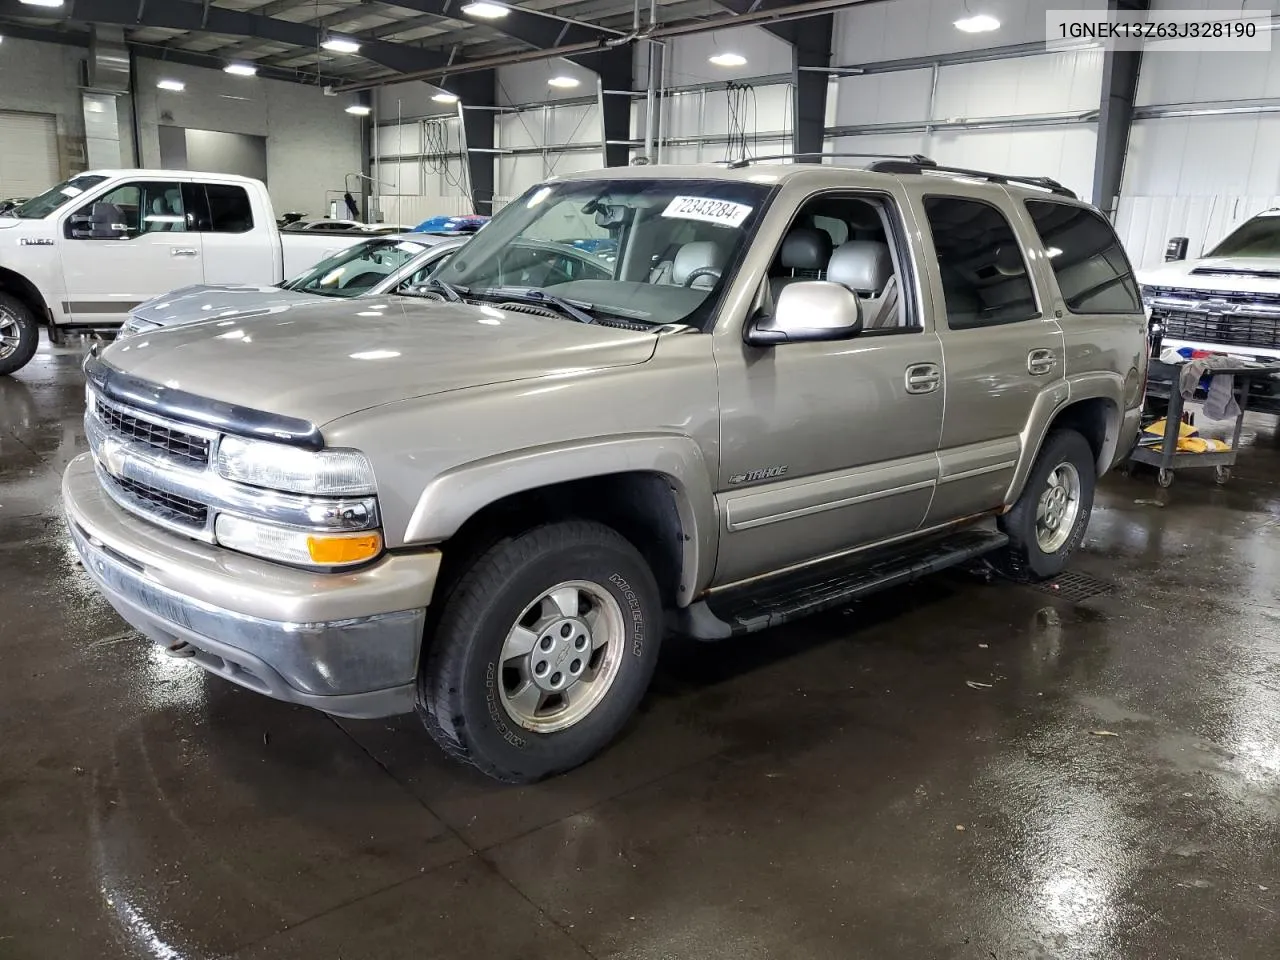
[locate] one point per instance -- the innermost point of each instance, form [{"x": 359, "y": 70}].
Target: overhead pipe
[
  {"x": 651, "y": 93},
  {"x": 797, "y": 11}
]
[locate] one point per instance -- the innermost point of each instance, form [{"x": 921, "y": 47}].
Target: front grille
[
  {"x": 177, "y": 443},
  {"x": 1233, "y": 329},
  {"x": 1233, "y": 298},
  {"x": 169, "y": 506}
]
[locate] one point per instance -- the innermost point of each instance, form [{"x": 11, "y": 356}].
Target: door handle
[
  {"x": 923, "y": 378},
  {"x": 183, "y": 252},
  {"x": 1041, "y": 361}
]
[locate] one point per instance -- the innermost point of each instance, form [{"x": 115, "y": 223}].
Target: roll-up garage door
[{"x": 28, "y": 154}]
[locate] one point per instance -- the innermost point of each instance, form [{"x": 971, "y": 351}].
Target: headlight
[
  {"x": 291, "y": 470},
  {"x": 311, "y": 548}
]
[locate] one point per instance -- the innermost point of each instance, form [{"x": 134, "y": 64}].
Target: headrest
[
  {"x": 1009, "y": 261},
  {"x": 806, "y": 249},
  {"x": 158, "y": 205},
  {"x": 695, "y": 256},
  {"x": 864, "y": 266}
]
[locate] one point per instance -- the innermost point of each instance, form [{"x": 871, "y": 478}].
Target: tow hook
[{"x": 180, "y": 650}]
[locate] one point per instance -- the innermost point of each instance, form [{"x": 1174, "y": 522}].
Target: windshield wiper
[
  {"x": 451, "y": 293},
  {"x": 570, "y": 308}
]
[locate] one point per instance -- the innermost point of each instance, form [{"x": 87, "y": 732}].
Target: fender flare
[
  {"x": 1049, "y": 407},
  {"x": 455, "y": 496}
]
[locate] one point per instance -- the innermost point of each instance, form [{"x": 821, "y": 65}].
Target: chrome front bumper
[{"x": 345, "y": 643}]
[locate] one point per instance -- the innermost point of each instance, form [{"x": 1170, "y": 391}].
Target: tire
[
  {"x": 19, "y": 334},
  {"x": 479, "y": 705},
  {"x": 1028, "y": 558}
]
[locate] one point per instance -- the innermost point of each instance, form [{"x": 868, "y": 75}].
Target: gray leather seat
[
  {"x": 866, "y": 268},
  {"x": 805, "y": 252},
  {"x": 699, "y": 255}
]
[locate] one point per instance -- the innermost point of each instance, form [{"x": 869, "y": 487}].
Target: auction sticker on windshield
[{"x": 726, "y": 213}]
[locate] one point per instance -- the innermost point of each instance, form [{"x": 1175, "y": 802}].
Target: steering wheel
[{"x": 701, "y": 272}]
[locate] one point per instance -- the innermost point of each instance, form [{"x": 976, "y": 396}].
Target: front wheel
[
  {"x": 542, "y": 652},
  {"x": 1049, "y": 520},
  {"x": 19, "y": 334}
]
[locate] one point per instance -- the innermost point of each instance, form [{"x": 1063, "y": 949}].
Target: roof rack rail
[
  {"x": 912, "y": 165},
  {"x": 910, "y": 158}
]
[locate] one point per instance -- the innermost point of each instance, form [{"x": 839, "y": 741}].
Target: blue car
[{"x": 451, "y": 226}]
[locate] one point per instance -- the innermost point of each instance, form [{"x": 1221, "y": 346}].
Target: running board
[{"x": 787, "y": 597}]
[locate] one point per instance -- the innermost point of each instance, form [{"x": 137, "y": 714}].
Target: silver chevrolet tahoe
[{"x": 488, "y": 504}]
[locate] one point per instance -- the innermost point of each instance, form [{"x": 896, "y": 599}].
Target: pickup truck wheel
[
  {"x": 542, "y": 652},
  {"x": 1049, "y": 520},
  {"x": 19, "y": 334}
]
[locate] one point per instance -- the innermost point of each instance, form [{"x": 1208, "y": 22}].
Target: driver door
[
  {"x": 828, "y": 447},
  {"x": 156, "y": 253}
]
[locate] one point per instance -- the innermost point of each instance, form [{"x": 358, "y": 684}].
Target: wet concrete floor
[{"x": 957, "y": 770}]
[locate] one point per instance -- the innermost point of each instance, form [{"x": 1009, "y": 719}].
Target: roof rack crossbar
[
  {"x": 914, "y": 158},
  {"x": 897, "y": 165}
]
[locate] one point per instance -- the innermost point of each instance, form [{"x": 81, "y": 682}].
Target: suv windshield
[
  {"x": 355, "y": 270},
  {"x": 1259, "y": 237},
  {"x": 651, "y": 250},
  {"x": 37, "y": 208}
]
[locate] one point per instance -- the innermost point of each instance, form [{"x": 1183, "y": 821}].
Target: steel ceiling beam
[
  {"x": 195, "y": 17},
  {"x": 539, "y": 32}
]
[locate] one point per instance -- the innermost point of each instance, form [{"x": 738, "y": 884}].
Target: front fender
[{"x": 455, "y": 496}]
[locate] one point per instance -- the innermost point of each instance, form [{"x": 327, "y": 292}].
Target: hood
[
  {"x": 338, "y": 357},
  {"x": 1237, "y": 274},
  {"x": 208, "y": 301}
]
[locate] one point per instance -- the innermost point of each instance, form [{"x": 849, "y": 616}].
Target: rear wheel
[
  {"x": 542, "y": 652},
  {"x": 19, "y": 334},
  {"x": 1050, "y": 518}
]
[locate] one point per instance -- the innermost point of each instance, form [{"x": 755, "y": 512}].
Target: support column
[
  {"x": 615, "y": 70},
  {"x": 810, "y": 47},
  {"x": 1115, "y": 116},
  {"x": 478, "y": 90}
]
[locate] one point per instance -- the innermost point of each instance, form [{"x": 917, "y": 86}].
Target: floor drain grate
[{"x": 1075, "y": 587}]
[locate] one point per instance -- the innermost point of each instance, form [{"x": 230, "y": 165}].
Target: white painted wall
[
  {"x": 915, "y": 28},
  {"x": 312, "y": 144},
  {"x": 1200, "y": 176},
  {"x": 44, "y": 78}
]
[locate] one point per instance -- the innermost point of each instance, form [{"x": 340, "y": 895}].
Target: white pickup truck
[{"x": 86, "y": 252}]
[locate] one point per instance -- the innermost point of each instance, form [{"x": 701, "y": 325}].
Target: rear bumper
[{"x": 346, "y": 644}]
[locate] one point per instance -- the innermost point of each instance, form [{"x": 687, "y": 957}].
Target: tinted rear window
[{"x": 1093, "y": 273}]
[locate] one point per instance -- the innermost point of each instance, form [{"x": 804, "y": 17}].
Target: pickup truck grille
[
  {"x": 167, "y": 506},
  {"x": 169, "y": 440},
  {"x": 1230, "y": 318}
]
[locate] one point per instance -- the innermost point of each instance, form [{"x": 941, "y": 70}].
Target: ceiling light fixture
[
  {"x": 485, "y": 10},
  {"x": 176, "y": 86},
  {"x": 340, "y": 45},
  {"x": 359, "y": 110},
  {"x": 241, "y": 69},
  {"x": 563, "y": 82},
  {"x": 42, "y": 3},
  {"x": 978, "y": 23},
  {"x": 444, "y": 96},
  {"x": 728, "y": 60}
]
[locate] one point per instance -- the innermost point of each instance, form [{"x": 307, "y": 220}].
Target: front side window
[
  {"x": 984, "y": 274},
  {"x": 1259, "y": 237},
  {"x": 355, "y": 270},
  {"x": 37, "y": 208},
  {"x": 653, "y": 251},
  {"x": 144, "y": 207}
]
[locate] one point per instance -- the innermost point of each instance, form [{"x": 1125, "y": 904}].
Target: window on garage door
[{"x": 28, "y": 154}]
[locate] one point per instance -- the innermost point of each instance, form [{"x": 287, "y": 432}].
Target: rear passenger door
[
  {"x": 237, "y": 249},
  {"x": 1003, "y": 351},
  {"x": 1100, "y": 310}
]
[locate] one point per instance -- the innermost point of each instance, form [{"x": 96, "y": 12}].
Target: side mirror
[
  {"x": 106, "y": 222},
  {"x": 809, "y": 311},
  {"x": 1175, "y": 249}
]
